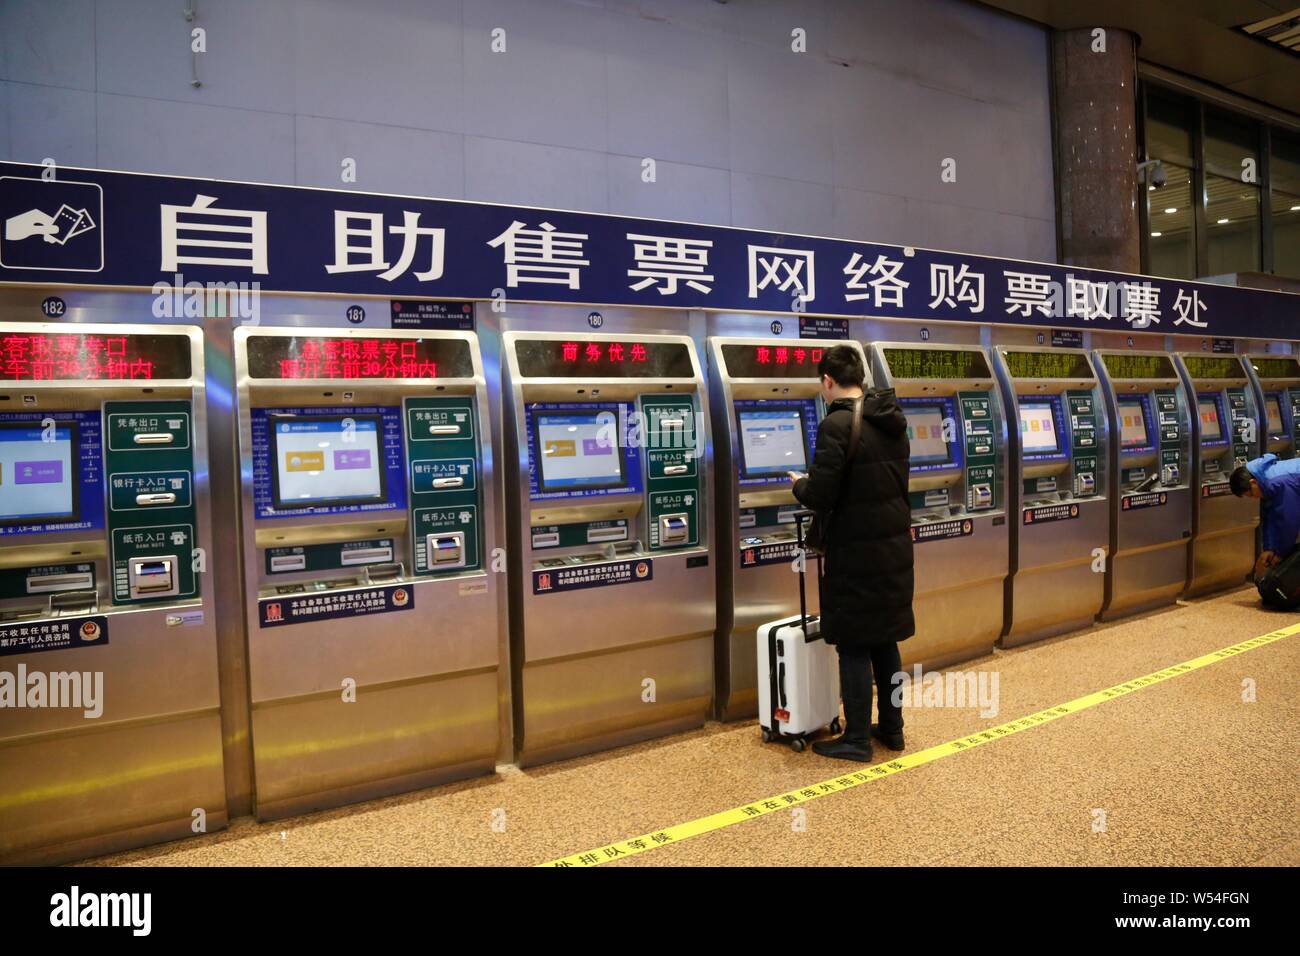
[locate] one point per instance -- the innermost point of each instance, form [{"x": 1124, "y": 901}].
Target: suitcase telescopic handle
[{"x": 799, "y": 517}]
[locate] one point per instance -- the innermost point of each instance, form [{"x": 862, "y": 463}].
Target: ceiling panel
[{"x": 1200, "y": 38}]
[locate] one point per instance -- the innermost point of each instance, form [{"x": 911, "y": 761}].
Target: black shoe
[
  {"x": 892, "y": 741},
  {"x": 844, "y": 748}
]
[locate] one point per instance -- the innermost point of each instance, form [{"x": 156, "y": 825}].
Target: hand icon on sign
[{"x": 31, "y": 223}]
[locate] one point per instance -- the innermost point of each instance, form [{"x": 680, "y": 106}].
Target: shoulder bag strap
[{"x": 855, "y": 431}]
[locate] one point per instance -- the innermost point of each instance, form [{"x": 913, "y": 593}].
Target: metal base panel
[
  {"x": 1224, "y": 560},
  {"x": 77, "y": 794},
  {"x": 580, "y": 705},
  {"x": 1050, "y": 601},
  {"x": 955, "y": 625},
  {"x": 1146, "y": 580},
  {"x": 311, "y": 753}
]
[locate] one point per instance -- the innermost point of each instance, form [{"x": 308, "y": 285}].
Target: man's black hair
[
  {"x": 844, "y": 365},
  {"x": 1240, "y": 480}
]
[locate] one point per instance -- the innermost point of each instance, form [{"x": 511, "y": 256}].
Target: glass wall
[
  {"x": 1284, "y": 173},
  {"x": 1230, "y": 197}
]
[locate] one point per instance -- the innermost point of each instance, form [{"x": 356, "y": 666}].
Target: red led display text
[
  {"x": 357, "y": 358},
  {"x": 37, "y": 357},
  {"x": 784, "y": 355}
]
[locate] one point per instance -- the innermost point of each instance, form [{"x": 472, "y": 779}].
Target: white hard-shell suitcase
[{"x": 798, "y": 674}]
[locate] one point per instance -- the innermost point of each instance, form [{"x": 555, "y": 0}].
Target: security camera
[{"x": 1153, "y": 172}]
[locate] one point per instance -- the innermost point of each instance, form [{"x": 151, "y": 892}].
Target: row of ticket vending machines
[{"x": 446, "y": 560}]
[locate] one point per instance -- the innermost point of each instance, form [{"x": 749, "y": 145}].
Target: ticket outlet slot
[
  {"x": 957, "y": 491},
  {"x": 613, "y": 607},
  {"x": 764, "y": 398},
  {"x": 1227, "y": 432},
  {"x": 1149, "y": 480},
  {"x": 104, "y": 524},
  {"x": 367, "y": 514},
  {"x": 1276, "y": 379},
  {"x": 1057, "y": 494}
]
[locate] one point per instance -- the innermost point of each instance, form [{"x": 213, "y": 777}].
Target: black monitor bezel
[
  {"x": 74, "y": 429},
  {"x": 1143, "y": 401},
  {"x": 1281, "y": 415},
  {"x": 279, "y": 504},
  {"x": 1061, "y": 448},
  {"x": 945, "y": 411},
  {"x": 1225, "y": 434},
  {"x": 740, "y": 442},
  {"x": 545, "y": 487}
]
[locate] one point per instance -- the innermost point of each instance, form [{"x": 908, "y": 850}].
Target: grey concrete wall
[{"x": 845, "y": 139}]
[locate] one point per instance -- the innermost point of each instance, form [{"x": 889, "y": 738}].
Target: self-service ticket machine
[
  {"x": 1227, "y": 434},
  {"x": 1277, "y": 383},
  {"x": 367, "y": 519},
  {"x": 957, "y": 490},
  {"x": 111, "y": 732},
  {"x": 1057, "y": 490},
  {"x": 613, "y": 608},
  {"x": 764, "y": 398},
  {"x": 1148, "y": 481}
]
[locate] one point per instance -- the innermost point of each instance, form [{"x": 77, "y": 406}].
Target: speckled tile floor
[{"x": 1183, "y": 773}]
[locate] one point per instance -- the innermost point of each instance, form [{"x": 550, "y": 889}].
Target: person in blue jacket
[{"x": 1276, "y": 484}]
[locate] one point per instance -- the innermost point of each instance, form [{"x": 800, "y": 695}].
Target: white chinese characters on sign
[
  {"x": 541, "y": 255},
  {"x": 1141, "y": 304},
  {"x": 369, "y": 255},
  {"x": 951, "y": 285},
  {"x": 1087, "y": 300},
  {"x": 243, "y": 235},
  {"x": 669, "y": 260},
  {"x": 1189, "y": 309},
  {"x": 1027, "y": 291},
  {"x": 785, "y": 269},
  {"x": 887, "y": 288}
]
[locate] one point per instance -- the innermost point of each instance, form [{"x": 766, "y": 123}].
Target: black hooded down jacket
[{"x": 866, "y": 588}]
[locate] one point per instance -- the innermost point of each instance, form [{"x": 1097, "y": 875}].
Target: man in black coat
[{"x": 866, "y": 588}]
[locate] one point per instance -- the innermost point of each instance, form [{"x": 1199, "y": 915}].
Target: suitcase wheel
[
  {"x": 767, "y": 735},
  {"x": 798, "y": 745},
  {"x": 835, "y": 726}
]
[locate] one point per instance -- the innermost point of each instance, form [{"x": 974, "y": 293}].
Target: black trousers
[{"x": 858, "y": 665}]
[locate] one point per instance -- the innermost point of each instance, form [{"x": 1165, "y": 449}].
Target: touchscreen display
[
  {"x": 327, "y": 459},
  {"x": 1211, "y": 427},
  {"x": 578, "y": 450},
  {"x": 37, "y": 478},
  {"x": 772, "y": 441},
  {"x": 1132, "y": 425},
  {"x": 1038, "y": 428},
  {"x": 925, "y": 431}
]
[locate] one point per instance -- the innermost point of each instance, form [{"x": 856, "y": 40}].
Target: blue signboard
[{"x": 128, "y": 229}]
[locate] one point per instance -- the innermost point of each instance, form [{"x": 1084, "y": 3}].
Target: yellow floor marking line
[{"x": 684, "y": 831}]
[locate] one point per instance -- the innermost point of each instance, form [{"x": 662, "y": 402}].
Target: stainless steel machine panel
[
  {"x": 1149, "y": 479},
  {"x": 1227, "y": 431},
  {"x": 958, "y": 495},
  {"x": 105, "y": 599},
  {"x": 1276, "y": 379},
  {"x": 752, "y": 380},
  {"x": 1057, "y": 463},
  {"x": 368, "y": 519},
  {"x": 613, "y": 607}
]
